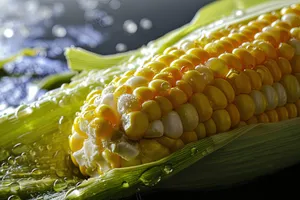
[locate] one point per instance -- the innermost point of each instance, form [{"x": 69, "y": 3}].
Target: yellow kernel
[
  {"x": 123, "y": 89},
  {"x": 185, "y": 87},
  {"x": 195, "y": 79},
  {"x": 166, "y": 59},
  {"x": 166, "y": 141},
  {"x": 76, "y": 142},
  {"x": 76, "y": 126},
  {"x": 144, "y": 72},
  {"x": 226, "y": 45},
  {"x": 292, "y": 19},
  {"x": 295, "y": 63},
  {"x": 292, "y": 87},
  {"x": 200, "y": 131},
  {"x": 193, "y": 59},
  {"x": 178, "y": 145},
  {"x": 202, "y": 105},
  {"x": 265, "y": 74},
  {"x": 255, "y": 79},
  {"x": 177, "y": 52},
  {"x": 155, "y": 66},
  {"x": 188, "y": 137},
  {"x": 189, "y": 116},
  {"x": 218, "y": 66},
  {"x": 174, "y": 72},
  {"x": 232, "y": 61},
  {"x": 234, "y": 114},
  {"x": 165, "y": 76},
  {"x": 177, "y": 97},
  {"x": 103, "y": 128},
  {"x": 267, "y": 48},
  {"x": 113, "y": 159},
  {"x": 282, "y": 24},
  {"x": 93, "y": 93},
  {"x": 284, "y": 66},
  {"x": 225, "y": 87},
  {"x": 210, "y": 127},
  {"x": 151, "y": 150},
  {"x": 232, "y": 41},
  {"x": 207, "y": 73},
  {"x": 263, "y": 118},
  {"x": 214, "y": 49},
  {"x": 164, "y": 104},
  {"x": 129, "y": 73},
  {"x": 259, "y": 23},
  {"x": 240, "y": 82},
  {"x": 274, "y": 69},
  {"x": 239, "y": 37},
  {"x": 152, "y": 109},
  {"x": 245, "y": 105},
  {"x": 272, "y": 115},
  {"x": 200, "y": 53},
  {"x": 289, "y": 10},
  {"x": 143, "y": 93},
  {"x": 161, "y": 87},
  {"x": 246, "y": 58},
  {"x": 108, "y": 113},
  {"x": 266, "y": 37},
  {"x": 295, "y": 32},
  {"x": 135, "y": 125},
  {"x": 216, "y": 97},
  {"x": 182, "y": 65},
  {"x": 282, "y": 113},
  {"x": 292, "y": 110},
  {"x": 169, "y": 49},
  {"x": 268, "y": 17},
  {"x": 122, "y": 80},
  {"x": 222, "y": 120},
  {"x": 252, "y": 120}
]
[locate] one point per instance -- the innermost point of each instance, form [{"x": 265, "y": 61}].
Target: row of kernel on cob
[{"x": 243, "y": 74}]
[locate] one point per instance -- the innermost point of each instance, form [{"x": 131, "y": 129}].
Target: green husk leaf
[
  {"x": 34, "y": 139},
  {"x": 56, "y": 80},
  {"x": 23, "y": 52}
]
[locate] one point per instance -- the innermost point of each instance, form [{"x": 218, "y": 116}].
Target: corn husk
[{"x": 34, "y": 151}]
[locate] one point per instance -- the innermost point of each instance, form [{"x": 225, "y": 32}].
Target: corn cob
[{"x": 246, "y": 73}]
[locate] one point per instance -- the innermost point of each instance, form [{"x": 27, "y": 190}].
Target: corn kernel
[
  {"x": 245, "y": 105},
  {"x": 175, "y": 73},
  {"x": 166, "y": 77},
  {"x": 252, "y": 120},
  {"x": 177, "y": 97},
  {"x": 218, "y": 66},
  {"x": 193, "y": 59},
  {"x": 151, "y": 150},
  {"x": 216, "y": 97},
  {"x": 132, "y": 162},
  {"x": 161, "y": 87},
  {"x": 292, "y": 87},
  {"x": 210, "y": 127},
  {"x": 247, "y": 60},
  {"x": 263, "y": 118},
  {"x": 112, "y": 158},
  {"x": 188, "y": 137},
  {"x": 232, "y": 61},
  {"x": 172, "y": 125},
  {"x": 259, "y": 100},
  {"x": 271, "y": 96},
  {"x": 103, "y": 129},
  {"x": 266, "y": 37},
  {"x": 267, "y": 48},
  {"x": 76, "y": 142},
  {"x": 284, "y": 66},
  {"x": 143, "y": 93},
  {"x": 188, "y": 115},
  {"x": 295, "y": 32},
  {"x": 195, "y": 79},
  {"x": 200, "y": 53},
  {"x": 274, "y": 69},
  {"x": 272, "y": 115},
  {"x": 295, "y": 63},
  {"x": 207, "y": 73},
  {"x": 282, "y": 24},
  {"x": 282, "y": 113},
  {"x": 135, "y": 125},
  {"x": 222, "y": 120},
  {"x": 136, "y": 81},
  {"x": 164, "y": 104},
  {"x": 144, "y": 72},
  {"x": 122, "y": 89},
  {"x": 292, "y": 19},
  {"x": 200, "y": 131},
  {"x": 234, "y": 114},
  {"x": 185, "y": 87},
  {"x": 152, "y": 109},
  {"x": 239, "y": 37},
  {"x": 166, "y": 59},
  {"x": 106, "y": 112},
  {"x": 182, "y": 65},
  {"x": 166, "y": 141},
  {"x": 155, "y": 66},
  {"x": 202, "y": 105},
  {"x": 240, "y": 82},
  {"x": 226, "y": 88},
  {"x": 214, "y": 49},
  {"x": 177, "y": 52},
  {"x": 178, "y": 145},
  {"x": 232, "y": 41},
  {"x": 169, "y": 49},
  {"x": 292, "y": 110},
  {"x": 226, "y": 45},
  {"x": 265, "y": 74}
]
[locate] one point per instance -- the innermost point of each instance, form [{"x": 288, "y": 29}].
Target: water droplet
[
  {"x": 146, "y": 23},
  {"x": 14, "y": 197},
  {"x": 14, "y": 187},
  {"x": 115, "y": 4},
  {"x": 125, "y": 184},
  {"x": 49, "y": 147},
  {"x": 4, "y": 154},
  {"x": 23, "y": 110},
  {"x": 168, "y": 169},
  {"x": 209, "y": 149},
  {"x": 59, "y": 185},
  {"x": 121, "y": 47},
  {"x": 20, "y": 148},
  {"x": 60, "y": 173},
  {"x": 41, "y": 148},
  {"x": 8, "y": 33},
  {"x": 107, "y": 20},
  {"x": 36, "y": 172},
  {"x": 239, "y": 13},
  {"x": 11, "y": 160},
  {"x": 194, "y": 150},
  {"x": 152, "y": 176},
  {"x": 59, "y": 31},
  {"x": 130, "y": 26}
]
